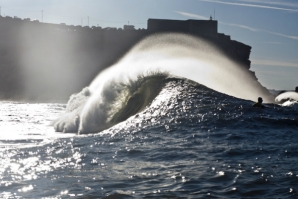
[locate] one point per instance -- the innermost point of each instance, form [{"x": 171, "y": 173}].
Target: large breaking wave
[{"x": 127, "y": 87}]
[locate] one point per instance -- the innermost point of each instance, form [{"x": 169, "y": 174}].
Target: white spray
[
  {"x": 287, "y": 96},
  {"x": 179, "y": 55}
]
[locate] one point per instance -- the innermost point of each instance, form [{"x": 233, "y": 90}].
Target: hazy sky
[{"x": 269, "y": 26}]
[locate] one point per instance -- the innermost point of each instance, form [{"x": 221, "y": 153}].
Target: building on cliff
[
  {"x": 207, "y": 29},
  {"x": 32, "y": 54}
]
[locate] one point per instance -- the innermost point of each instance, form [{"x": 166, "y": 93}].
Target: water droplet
[
  {"x": 221, "y": 173},
  {"x": 291, "y": 190}
]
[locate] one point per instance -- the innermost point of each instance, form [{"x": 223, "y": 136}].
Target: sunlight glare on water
[
  {"x": 26, "y": 125},
  {"x": 191, "y": 142}
]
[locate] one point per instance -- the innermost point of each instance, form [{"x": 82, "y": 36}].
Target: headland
[{"x": 48, "y": 62}]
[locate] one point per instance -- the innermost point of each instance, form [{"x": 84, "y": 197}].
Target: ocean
[
  {"x": 187, "y": 139},
  {"x": 191, "y": 142}
]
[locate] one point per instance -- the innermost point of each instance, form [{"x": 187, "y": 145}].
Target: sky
[{"x": 270, "y": 27}]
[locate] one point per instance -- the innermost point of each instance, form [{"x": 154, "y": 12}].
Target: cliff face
[{"x": 44, "y": 62}]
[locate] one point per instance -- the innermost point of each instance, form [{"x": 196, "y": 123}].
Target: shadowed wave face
[
  {"x": 119, "y": 104},
  {"x": 130, "y": 85}
]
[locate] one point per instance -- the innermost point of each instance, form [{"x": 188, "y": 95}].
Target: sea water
[{"x": 190, "y": 142}]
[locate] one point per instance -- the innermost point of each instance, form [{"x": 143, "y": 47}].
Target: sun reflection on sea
[
  {"x": 28, "y": 125},
  {"x": 25, "y": 189}
]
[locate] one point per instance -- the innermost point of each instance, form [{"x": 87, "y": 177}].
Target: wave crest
[
  {"x": 88, "y": 112},
  {"x": 120, "y": 91}
]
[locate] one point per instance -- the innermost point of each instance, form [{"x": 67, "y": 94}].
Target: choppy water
[{"x": 192, "y": 142}]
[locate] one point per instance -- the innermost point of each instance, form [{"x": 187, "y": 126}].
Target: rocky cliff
[{"x": 48, "y": 62}]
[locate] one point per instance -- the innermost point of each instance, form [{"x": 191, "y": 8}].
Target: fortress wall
[
  {"x": 163, "y": 25},
  {"x": 195, "y": 27},
  {"x": 203, "y": 27}
]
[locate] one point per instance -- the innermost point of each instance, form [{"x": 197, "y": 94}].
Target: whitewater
[
  {"x": 172, "y": 118},
  {"x": 138, "y": 77}
]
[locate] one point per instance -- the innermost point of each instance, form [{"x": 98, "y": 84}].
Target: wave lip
[{"x": 117, "y": 102}]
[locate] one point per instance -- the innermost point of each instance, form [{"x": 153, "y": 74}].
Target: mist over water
[
  {"x": 189, "y": 57},
  {"x": 43, "y": 62}
]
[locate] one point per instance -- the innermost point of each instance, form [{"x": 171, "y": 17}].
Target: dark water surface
[{"x": 192, "y": 142}]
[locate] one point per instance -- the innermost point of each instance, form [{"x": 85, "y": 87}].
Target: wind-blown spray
[{"x": 174, "y": 54}]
